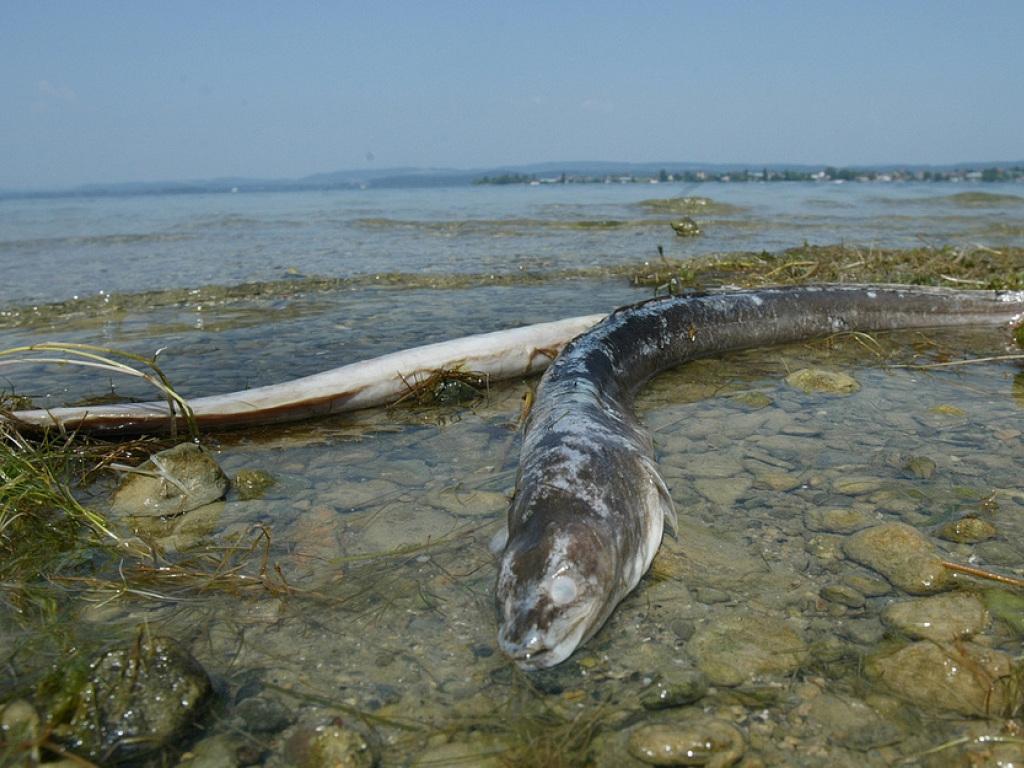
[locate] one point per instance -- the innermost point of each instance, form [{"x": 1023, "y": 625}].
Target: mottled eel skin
[{"x": 590, "y": 506}]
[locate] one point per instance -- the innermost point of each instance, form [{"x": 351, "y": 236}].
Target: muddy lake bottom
[{"x": 759, "y": 628}]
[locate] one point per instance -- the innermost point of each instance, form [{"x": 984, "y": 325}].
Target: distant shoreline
[
  {"x": 827, "y": 174},
  {"x": 551, "y": 173}
]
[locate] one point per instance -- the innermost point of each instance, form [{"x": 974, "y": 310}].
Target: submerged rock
[
  {"x": 856, "y": 485},
  {"x": 901, "y": 554},
  {"x": 686, "y": 227},
  {"x": 843, "y": 594},
  {"x": 962, "y": 677},
  {"x": 264, "y": 713},
  {"x": 171, "y": 482},
  {"x": 675, "y": 690},
  {"x": 723, "y": 491},
  {"x": 453, "y": 392},
  {"x": 19, "y": 725},
  {"x": 868, "y": 585},
  {"x": 738, "y": 647},
  {"x": 708, "y": 742},
  {"x": 218, "y": 751},
  {"x": 480, "y": 751},
  {"x": 952, "y": 616},
  {"x": 919, "y": 466},
  {"x": 817, "y": 380},
  {"x": 752, "y": 399},
  {"x": 136, "y": 700},
  {"x": 1006, "y": 606},
  {"x": 948, "y": 410},
  {"x": 253, "y": 483},
  {"x": 838, "y": 519},
  {"x": 967, "y": 530},
  {"x": 329, "y": 745},
  {"x": 851, "y": 723}
]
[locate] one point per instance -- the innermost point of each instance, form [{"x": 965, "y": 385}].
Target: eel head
[{"x": 555, "y": 589}]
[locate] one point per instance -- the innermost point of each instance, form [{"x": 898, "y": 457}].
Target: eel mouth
[{"x": 537, "y": 650}]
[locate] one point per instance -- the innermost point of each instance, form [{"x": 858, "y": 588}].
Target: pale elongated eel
[
  {"x": 364, "y": 384},
  {"x": 590, "y": 507}
]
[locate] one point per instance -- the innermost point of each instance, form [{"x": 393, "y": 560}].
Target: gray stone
[
  {"x": 920, "y": 466},
  {"x": 838, "y": 519},
  {"x": 724, "y": 491},
  {"x": 705, "y": 741},
  {"x": 171, "y": 482},
  {"x": 857, "y": 485},
  {"x": 683, "y": 629},
  {"x": 136, "y": 700},
  {"x": 740, "y": 646},
  {"x": 777, "y": 481},
  {"x": 483, "y": 751},
  {"x": 19, "y": 724},
  {"x": 711, "y": 596},
  {"x": 675, "y": 689},
  {"x": 868, "y": 586},
  {"x": 967, "y": 530},
  {"x": 998, "y": 553},
  {"x": 686, "y": 227},
  {"x": 901, "y": 554},
  {"x": 468, "y": 502},
  {"x": 713, "y": 464},
  {"x": 824, "y": 547},
  {"x": 330, "y": 745},
  {"x": 843, "y": 595},
  {"x": 217, "y": 751},
  {"x": 264, "y": 714},
  {"x": 951, "y": 616},
  {"x": 851, "y": 723},
  {"x": 816, "y": 380},
  {"x": 252, "y": 483},
  {"x": 962, "y": 677},
  {"x": 862, "y": 631}
]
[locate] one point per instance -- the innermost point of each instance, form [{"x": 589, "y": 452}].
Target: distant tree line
[
  {"x": 507, "y": 178},
  {"x": 828, "y": 173}
]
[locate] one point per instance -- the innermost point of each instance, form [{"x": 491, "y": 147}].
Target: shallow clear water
[
  {"x": 381, "y": 614},
  {"x": 380, "y": 523},
  {"x": 58, "y": 248}
]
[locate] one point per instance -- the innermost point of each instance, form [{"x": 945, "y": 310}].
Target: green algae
[
  {"x": 252, "y": 483},
  {"x": 689, "y": 206},
  {"x": 971, "y": 267},
  {"x": 978, "y": 200},
  {"x": 1006, "y": 607},
  {"x": 512, "y": 226}
]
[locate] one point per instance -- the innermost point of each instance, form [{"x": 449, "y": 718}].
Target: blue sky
[{"x": 120, "y": 91}]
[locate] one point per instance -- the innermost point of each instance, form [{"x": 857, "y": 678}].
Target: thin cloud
[
  {"x": 50, "y": 96},
  {"x": 597, "y": 105}
]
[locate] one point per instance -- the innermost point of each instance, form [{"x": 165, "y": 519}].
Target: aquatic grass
[
  {"x": 41, "y": 516},
  {"x": 39, "y": 513},
  {"x": 969, "y": 266},
  {"x": 987, "y": 267},
  {"x": 106, "y": 359},
  {"x": 443, "y": 387},
  {"x": 238, "y": 569}
]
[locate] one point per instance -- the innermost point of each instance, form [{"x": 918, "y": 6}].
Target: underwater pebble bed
[{"x": 770, "y": 627}]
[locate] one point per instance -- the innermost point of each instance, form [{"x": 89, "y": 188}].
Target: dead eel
[{"x": 590, "y": 507}]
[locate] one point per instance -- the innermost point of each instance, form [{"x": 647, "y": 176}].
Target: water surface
[{"x": 381, "y": 614}]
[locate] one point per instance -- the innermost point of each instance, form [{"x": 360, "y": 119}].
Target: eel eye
[{"x": 563, "y": 590}]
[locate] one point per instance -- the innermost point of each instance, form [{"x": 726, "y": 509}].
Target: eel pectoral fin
[{"x": 668, "y": 507}]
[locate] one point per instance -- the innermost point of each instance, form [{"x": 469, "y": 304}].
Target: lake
[{"x": 378, "y": 617}]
